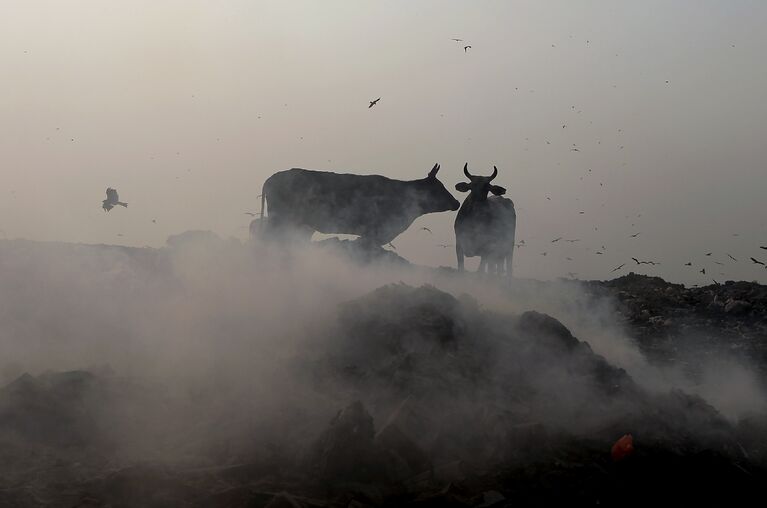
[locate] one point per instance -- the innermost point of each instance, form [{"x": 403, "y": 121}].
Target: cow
[
  {"x": 485, "y": 226},
  {"x": 374, "y": 207}
]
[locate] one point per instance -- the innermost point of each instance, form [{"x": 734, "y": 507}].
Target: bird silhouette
[
  {"x": 709, "y": 253},
  {"x": 618, "y": 268},
  {"x": 761, "y": 247},
  {"x": 634, "y": 235},
  {"x": 556, "y": 239},
  {"x": 112, "y": 200},
  {"x": 730, "y": 256},
  {"x": 703, "y": 271},
  {"x": 689, "y": 263},
  {"x": 756, "y": 261},
  {"x": 373, "y": 103},
  {"x": 457, "y": 40},
  {"x": 466, "y": 48},
  {"x": 426, "y": 229}
]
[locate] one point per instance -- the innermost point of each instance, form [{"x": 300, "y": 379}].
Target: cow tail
[{"x": 263, "y": 201}]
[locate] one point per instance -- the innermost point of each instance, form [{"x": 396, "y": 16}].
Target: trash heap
[
  {"x": 667, "y": 317},
  {"x": 435, "y": 402}
]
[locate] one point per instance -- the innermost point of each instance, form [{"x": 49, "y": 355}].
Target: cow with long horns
[
  {"x": 485, "y": 226},
  {"x": 374, "y": 207}
]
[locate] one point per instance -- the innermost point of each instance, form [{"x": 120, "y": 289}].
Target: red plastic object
[{"x": 622, "y": 448}]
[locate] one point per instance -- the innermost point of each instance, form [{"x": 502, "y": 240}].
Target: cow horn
[
  {"x": 434, "y": 170},
  {"x": 495, "y": 173},
  {"x": 466, "y": 171}
]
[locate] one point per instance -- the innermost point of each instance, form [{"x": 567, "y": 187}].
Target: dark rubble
[
  {"x": 672, "y": 322},
  {"x": 438, "y": 403}
]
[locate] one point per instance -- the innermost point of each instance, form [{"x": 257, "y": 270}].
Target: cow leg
[{"x": 459, "y": 255}]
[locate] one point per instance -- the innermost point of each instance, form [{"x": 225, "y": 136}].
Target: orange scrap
[{"x": 622, "y": 448}]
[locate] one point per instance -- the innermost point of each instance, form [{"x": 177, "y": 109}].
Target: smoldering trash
[{"x": 206, "y": 374}]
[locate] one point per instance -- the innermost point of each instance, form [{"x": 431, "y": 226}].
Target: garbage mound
[
  {"x": 667, "y": 318},
  {"x": 434, "y": 401}
]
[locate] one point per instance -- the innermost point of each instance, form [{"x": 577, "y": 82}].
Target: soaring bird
[
  {"x": 112, "y": 200},
  {"x": 645, "y": 262},
  {"x": 635, "y": 235},
  {"x": 618, "y": 268},
  {"x": 466, "y": 48},
  {"x": 556, "y": 239},
  {"x": 703, "y": 271},
  {"x": 689, "y": 263},
  {"x": 457, "y": 40},
  {"x": 756, "y": 261},
  {"x": 426, "y": 229},
  {"x": 373, "y": 103},
  {"x": 730, "y": 256}
]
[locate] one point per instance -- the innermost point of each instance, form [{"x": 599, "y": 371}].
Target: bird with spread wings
[{"x": 112, "y": 200}]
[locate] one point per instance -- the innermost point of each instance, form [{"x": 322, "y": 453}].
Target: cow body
[
  {"x": 374, "y": 207},
  {"x": 485, "y": 227}
]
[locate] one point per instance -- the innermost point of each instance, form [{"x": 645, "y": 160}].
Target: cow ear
[
  {"x": 434, "y": 170},
  {"x": 462, "y": 187},
  {"x": 497, "y": 190}
]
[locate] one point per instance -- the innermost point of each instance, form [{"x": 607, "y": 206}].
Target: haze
[{"x": 187, "y": 106}]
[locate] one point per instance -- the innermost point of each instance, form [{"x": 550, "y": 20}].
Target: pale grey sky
[{"x": 187, "y": 106}]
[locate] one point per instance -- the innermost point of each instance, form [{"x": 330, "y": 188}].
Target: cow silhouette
[
  {"x": 485, "y": 226},
  {"x": 374, "y": 207}
]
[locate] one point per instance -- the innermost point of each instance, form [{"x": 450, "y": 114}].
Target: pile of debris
[
  {"x": 666, "y": 317},
  {"x": 437, "y": 402}
]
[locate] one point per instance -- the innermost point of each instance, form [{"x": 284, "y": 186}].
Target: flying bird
[
  {"x": 426, "y": 229},
  {"x": 466, "y": 48},
  {"x": 457, "y": 40},
  {"x": 556, "y": 239},
  {"x": 765, "y": 248},
  {"x": 373, "y": 103},
  {"x": 689, "y": 263},
  {"x": 730, "y": 256},
  {"x": 756, "y": 261},
  {"x": 112, "y": 200},
  {"x": 703, "y": 271},
  {"x": 634, "y": 235},
  {"x": 644, "y": 262},
  {"x": 618, "y": 268},
  {"x": 709, "y": 253}
]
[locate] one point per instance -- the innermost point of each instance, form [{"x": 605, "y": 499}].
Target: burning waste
[{"x": 383, "y": 395}]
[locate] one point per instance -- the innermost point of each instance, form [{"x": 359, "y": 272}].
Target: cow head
[
  {"x": 479, "y": 185},
  {"x": 433, "y": 196}
]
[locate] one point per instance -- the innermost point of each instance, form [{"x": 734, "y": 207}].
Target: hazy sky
[{"x": 187, "y": 106}]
